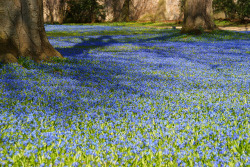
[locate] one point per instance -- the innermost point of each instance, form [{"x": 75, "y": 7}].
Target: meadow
[{"x": 129, "y": 96}]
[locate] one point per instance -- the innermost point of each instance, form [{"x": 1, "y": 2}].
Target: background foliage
[
  {"x": 89, "y": 11},
  {"x": 232, "y": 9},
  {"x": 84, "y": 11}
]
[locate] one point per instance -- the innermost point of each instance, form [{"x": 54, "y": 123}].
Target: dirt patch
[
  {"x": 235, "y": 28},
  {"x": 246, "y": 28}
]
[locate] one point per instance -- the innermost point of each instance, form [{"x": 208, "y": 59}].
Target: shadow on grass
[
  {"x": 101, "y": 74},
  {"x": 82, "y": 51}
]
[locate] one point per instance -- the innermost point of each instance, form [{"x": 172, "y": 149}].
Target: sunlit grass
[
  {"x": 218, "y": 22},
  {"x": 114, "y": 31}
]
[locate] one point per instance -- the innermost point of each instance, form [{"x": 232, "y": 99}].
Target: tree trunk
[
  {"x": 125, "y": 11},
  {"x": 116, "y": 10},
  {"x": 51, "y": 13},
  {"x": 198, "y": 16},
  {"x": 22, "y": 32},
  {"x": 62, "y": 4}
]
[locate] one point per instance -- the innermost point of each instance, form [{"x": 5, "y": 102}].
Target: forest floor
[{"x": 129, "y": 96}]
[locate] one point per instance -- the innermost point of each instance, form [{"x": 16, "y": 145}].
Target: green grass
[
  {"x": 220, "y": 23},
  {"x": 227, "y": 23},
  {"x": 132, "y": 24},
  {"x": 104, "y": 32}
]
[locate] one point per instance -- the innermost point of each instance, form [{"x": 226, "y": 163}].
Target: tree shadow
[
  {"x": 92, "y": 68},
  {"x": 104, "y": 74},
  {"x": 84, "y": 73}
]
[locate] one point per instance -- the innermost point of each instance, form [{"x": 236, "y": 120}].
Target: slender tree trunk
[
  {"x": 22, "y": 31},
  {"x": 198, "y": 16},
  {"x": 62, "y": 4},
  {"x": 137, "y": 8},
  {"x": 51, "y": 12},
  {"x": 126, "y": 11},
  {"x": 116, "y": 10}
]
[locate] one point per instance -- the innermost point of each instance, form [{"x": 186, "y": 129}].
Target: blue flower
[
  {"x": 132, "y": 92},
  {"x": 42, "y": 165},
  {"x": 75, "y": 164}
]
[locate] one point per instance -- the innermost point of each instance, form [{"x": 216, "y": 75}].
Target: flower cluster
[{"x": 146, "y": 99}]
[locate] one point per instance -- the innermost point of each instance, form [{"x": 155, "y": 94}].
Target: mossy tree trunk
[
  {"x": 22, "y": 32},
  {"x": 198, "y": 16}
]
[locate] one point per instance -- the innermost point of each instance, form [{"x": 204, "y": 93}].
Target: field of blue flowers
[{"x": 126, "y": 96}]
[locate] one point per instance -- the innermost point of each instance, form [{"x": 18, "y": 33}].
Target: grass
[
  {"x": 227, "y": 23},
  {"x": 116, "y": 31},
  {"x": 218, "y": 22},
  {"x": 133, "y": 24},
  {"x": 129, "y": 97}
]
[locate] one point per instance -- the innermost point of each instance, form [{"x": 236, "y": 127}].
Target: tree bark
[
  {"x": 62, "y": 4},
  {"x": 115, "y": 6},
  {"x": 125, "y": 11},
  {"x": 120, "y": 10},
  {"x": 198, "y": 16},
  {"x": 51, "y": 6},
  {"x": 22, "y": 32}
]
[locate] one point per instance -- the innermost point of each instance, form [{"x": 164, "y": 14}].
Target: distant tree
[
  {"x": 233, "y": 8},
  {"x": 182, "y": 5},
  {"x": 22, "y": 32},
  {"x": 161, "y": 9},
  {"x": 125, "y": 11},
  {"x": 62, "y": 11},
  {"x": 116, "y": 7},
  {"x": 198, "y": 16},
  {"x": 121, "y": 10},
  {"x": 226, "y": 6},
  {"x": 50, "y": 5},
  {"x": 85, "y": 11},
  {"x": 137, "y": 8},
  {"x": 243, "y": 9}
]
